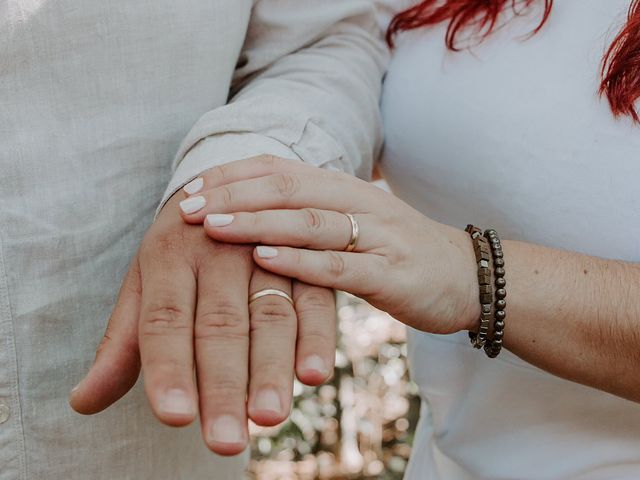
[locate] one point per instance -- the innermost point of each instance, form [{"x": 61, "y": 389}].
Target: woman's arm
[{"x": 573, "y": 315}]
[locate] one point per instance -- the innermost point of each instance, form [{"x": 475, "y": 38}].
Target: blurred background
[{"x": 359, "y": 425}]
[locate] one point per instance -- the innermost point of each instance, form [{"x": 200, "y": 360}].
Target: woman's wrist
[{"x": 464, "y": 276}]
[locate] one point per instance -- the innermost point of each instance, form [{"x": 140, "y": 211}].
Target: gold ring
[
  {"x": 270, "y": 291},
  {"x": 355, "y": 233}
]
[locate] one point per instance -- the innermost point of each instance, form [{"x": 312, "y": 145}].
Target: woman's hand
[{"x": 421, "y": 272}]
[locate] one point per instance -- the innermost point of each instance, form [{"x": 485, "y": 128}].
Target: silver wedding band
[
  {"x": 270, "y": 291},
  {"x": 355, "y": 233}
]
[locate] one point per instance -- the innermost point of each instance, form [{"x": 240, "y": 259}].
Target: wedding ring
[
  {"x": 270, "y": 291},
  {"x": 355, "y": 233}
]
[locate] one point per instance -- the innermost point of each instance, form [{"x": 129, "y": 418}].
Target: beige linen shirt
[{"x": 96, "y": 98}]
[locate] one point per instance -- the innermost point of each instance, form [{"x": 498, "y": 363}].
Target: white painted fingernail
[
  {"x": 227, "y": 429},
  {"x": 77, "y": 387},
  {"x": 314, "y": 362},
  {"x": 194, "y": 186},
  {"x": 219, "y": 219},
  {"x": 269, "y": 400},
  {"x": 192, "y": 205},
  {"x": 177, "y": 402},
  {"x": 266, "y": 252}
]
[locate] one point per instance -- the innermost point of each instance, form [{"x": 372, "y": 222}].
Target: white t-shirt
[{"x": 513, "y": 136}]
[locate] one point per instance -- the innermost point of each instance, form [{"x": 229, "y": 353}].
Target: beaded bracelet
[
  {"x": 493, "y": 346},
  {"x": 483, "y": 257}
]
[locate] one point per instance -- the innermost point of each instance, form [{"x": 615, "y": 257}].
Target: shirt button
[{"x": 4, "y": 412}]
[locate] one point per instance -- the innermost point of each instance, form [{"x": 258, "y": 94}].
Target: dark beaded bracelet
[
  {"x": 493, "y": 345},
  {"x": 483, "y": 258}
]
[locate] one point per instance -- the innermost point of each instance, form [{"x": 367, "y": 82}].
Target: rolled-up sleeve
[{"x": 306, "y": 87}]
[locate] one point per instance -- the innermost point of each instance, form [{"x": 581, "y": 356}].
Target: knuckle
[
  {"x": 336, "y": 264},
  {"x": 220, "y": 172},
  {"x": 269, "y": 161},
  {"x": 313, "y": 219},
  {"x": 308, "y": 312},
  {"x": 255, "y": 220},
  {"x": 268, "y": 313},
  {"x": 297, "y": 258},
  {"x": 402, "y": 253},
  {"x": 165, "y": 319},
  {"x": 222, "y": 319},
  {"x": 316, "y": 300},
  {"x": 225, "y": 388},
  {"x": 226, "y": 197},
  {"x": 286, "y": 184}
]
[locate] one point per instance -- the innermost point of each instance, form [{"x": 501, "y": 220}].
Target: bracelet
[
  {"x": 483, "y": 256},
  {"x": 493, "y": 346}
]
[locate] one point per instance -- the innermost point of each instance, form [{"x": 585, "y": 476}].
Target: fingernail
[
  {"x": 227, "y": 429},
  {"x": 194, "y": 186},
  {"x": 176, "y": 402},
  {"x": 219, "y": 219},
  {"x": 269, "y": 400},
  {"x": 192, "y": 205},
  {"x": 75, "y": 389},
  {"x": 314, "y": 362},
  {"x": 266, "y": 252}
]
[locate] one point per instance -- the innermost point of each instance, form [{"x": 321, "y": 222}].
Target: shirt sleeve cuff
[
  {"x": 224, "y": 148},
  {"x": 218, "y": 150}
]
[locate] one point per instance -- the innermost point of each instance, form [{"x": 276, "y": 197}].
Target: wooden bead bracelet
[
  {"x": 490, "y": 260},
  {"x": 482, "y": 251}
]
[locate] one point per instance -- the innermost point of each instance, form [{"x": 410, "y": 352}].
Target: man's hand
[{"x": 183, "y": 308}]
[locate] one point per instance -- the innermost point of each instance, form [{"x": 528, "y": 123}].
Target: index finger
[
  {"x": 338, "y": 192},
  {"x": 245, "y": 169}
]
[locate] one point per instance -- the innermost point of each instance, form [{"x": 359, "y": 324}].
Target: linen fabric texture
[{"x": 106, "y": 109}]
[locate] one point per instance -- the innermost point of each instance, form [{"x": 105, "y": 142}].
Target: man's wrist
[{"x": 218, "y": 150}]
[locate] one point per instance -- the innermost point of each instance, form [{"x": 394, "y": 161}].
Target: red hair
[{"x": 620, "y": 71}]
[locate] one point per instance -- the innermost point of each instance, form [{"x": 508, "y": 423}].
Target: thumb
[{"x": 117, "y": 364}]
